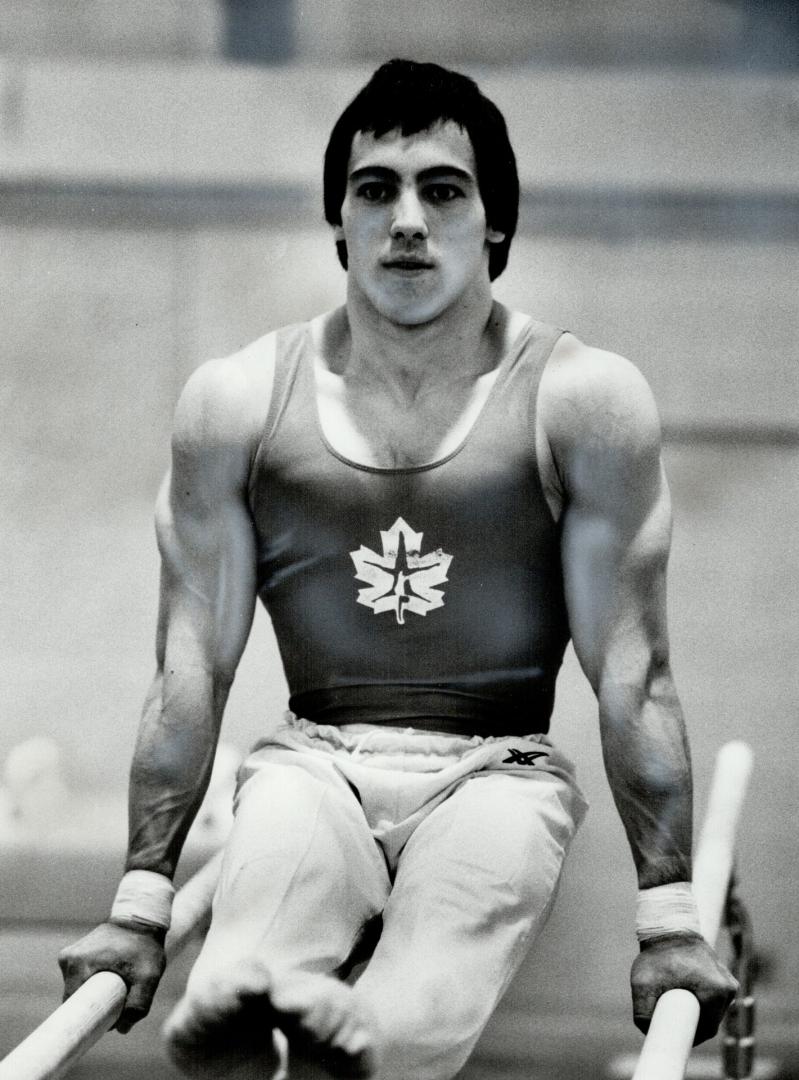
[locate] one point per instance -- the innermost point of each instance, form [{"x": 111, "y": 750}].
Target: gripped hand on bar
[
  {"x": 685, "y": 962},
  {"x": 135, "y": 953}
]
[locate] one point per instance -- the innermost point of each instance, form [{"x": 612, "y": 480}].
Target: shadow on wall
[
  {"x": 770, "y": 34},
  {"x": 750, "y": 34},
  {"x": 260, "y": 31}
]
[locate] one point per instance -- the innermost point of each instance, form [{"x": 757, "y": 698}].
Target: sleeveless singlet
[{"x": 428, "y": 597}]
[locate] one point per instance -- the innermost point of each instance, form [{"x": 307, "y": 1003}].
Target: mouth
[{"x": 407, "y": 264}]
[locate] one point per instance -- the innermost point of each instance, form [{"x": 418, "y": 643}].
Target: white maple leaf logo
[{"x": 401, "y": 579}]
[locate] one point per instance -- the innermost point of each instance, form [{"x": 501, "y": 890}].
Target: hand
[
  {"x": 135, "y": 953},
  {"x": 687, "y": 962}
]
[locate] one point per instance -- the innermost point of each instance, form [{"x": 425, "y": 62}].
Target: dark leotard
[{"x": 427, "y": 597}]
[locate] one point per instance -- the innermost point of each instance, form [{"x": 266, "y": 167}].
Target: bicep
[
  {"x": 615, "y": 545},
  {"x": 208, "y": 585},
  {"x": 208, "y": 550}
]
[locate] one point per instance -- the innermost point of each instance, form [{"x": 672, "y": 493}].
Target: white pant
[{"x": 459, "y": 842}]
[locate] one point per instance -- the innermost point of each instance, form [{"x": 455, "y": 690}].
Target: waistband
[
  {"x": 385, "y": 745},
  {"x": 438, "y": 710}
]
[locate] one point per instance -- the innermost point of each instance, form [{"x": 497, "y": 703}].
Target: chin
[
  {"x": 408, "y": 302},
  {"x": 416, "y": 316},
  {"x": 411, "y": 311}
]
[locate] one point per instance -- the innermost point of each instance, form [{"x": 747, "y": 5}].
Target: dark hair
[{"x": 412, "y": 97}]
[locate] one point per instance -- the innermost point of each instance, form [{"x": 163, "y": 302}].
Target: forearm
[
  {"x": 172, "y": 765},
  {"x": 647, "y": 761}
]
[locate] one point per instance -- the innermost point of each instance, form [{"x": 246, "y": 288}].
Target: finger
[
  {"x": 137, "y": 1004},
  {"x": 135, "y": 1010},
  {"x": 642, "y": 1022},
  {"x": 74, "y": 977},
  {"x": 644, "y": 1002},
  {"x": 66, "y": 965},
  {"x": 711, "y": 1016},
  {"x": 708, "y": 1026},
  {"x": 127, "y": 1019}
]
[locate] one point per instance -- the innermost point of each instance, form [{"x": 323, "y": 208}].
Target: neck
[{"x": 409, "y": 359}]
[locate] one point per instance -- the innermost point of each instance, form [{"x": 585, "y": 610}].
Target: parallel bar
[
  {"x": 191, "y": 912},
  {"x": 668, "y": 1043},
  {"x": 53, "y": 1048},
  {"x": 716, "y": 848}
]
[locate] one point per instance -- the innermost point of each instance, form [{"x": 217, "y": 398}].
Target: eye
[
  {"x": 374, "y": 191},
  {"x": 443, "y": 193}
]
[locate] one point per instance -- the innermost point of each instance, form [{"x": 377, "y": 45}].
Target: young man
[{"x": 431, "y": 494}]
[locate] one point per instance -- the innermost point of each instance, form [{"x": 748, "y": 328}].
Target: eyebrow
[{"x": 434, "y": 172}]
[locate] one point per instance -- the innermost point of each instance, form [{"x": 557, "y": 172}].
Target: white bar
[
  {"x": 668, "y": 1043},
  {"x": 715, "y": 850},
  {"x": 54, "y": 1047},
  {"x": 191, "y": 911},
  {"x": 670, "y": 1036}
]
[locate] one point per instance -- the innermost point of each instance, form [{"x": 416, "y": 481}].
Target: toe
[{"x": 323, "y": 1021}]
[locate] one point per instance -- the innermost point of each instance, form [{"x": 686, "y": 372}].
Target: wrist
[
  {"x": 143, "y": 901},
  {"x": 679, "y": 938},
  {"x": 666, "y": 911},
  {"x": 157, "y": 933}
]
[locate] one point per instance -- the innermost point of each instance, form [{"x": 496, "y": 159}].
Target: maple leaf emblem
[{"x": 401, "y": 579}]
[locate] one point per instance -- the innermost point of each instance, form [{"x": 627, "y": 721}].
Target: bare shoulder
[
  {"x": 225, "y": 401},
  {"x": 219, "y": 420},
  {"x": 590, "y": 397},
  {"x": 597, "y": 427}
]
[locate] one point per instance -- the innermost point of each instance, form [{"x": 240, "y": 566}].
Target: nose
[{"x": 409, "y": 221}]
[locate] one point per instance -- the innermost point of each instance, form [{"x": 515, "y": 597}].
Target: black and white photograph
[{"x": 400, "y": 501}]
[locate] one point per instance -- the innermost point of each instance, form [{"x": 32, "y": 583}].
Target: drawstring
[{"x": 357, "y": 750}]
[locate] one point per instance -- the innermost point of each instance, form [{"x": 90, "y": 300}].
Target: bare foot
[
  {"x": 325, "y": 1023},
  {"x": 224, "y": 1029}
]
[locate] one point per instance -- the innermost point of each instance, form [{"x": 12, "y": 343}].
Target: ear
[
  {"x": 494, "y": 236},
  {"x": 338, "y": 233}
]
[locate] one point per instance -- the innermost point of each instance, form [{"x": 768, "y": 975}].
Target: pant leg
[
  {"x": 474, "y": 886},
  {"x": 301, "y": 873}
]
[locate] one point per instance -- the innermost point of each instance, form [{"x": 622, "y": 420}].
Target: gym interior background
[{"x": 160, "y": 204}]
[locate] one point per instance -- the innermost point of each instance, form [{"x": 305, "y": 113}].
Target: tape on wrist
[
  {"x": 666, "y": 909},
  {"x": 145, "y": 897}
]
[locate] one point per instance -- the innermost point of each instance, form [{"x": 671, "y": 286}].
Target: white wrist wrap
[
  {"x": 666, "y": 909},
  {"x": 144, "y": 897}
]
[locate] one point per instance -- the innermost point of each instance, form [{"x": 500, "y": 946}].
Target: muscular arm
[
  {"x": 207, "y": 599},
  {"x": 616, "y": 535},
  {"x": 602, "y": 427},
  {"x": 206, "y": 606}
]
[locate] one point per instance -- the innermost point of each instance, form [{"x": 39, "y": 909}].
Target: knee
[
  {"x": 401, "y": 1060},
  {"x": 429, "y": 1037},
  {"x": 184, "y": 1046},
  {"x": 188, "y": 1035}
]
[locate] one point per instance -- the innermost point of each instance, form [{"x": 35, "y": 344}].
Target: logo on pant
[
  {"x": 401, "y": 579},
  {"x": 522, "y": 757}
]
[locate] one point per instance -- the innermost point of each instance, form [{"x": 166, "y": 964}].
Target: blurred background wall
[{"x": 160, "y": 203}]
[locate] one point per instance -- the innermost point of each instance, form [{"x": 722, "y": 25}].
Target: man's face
[{"x": 413, "y": 222}]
